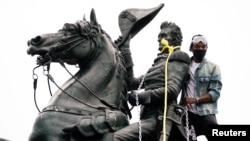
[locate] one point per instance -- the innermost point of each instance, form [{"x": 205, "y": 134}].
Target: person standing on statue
[
  {"x": 203, "y": 89},
  {"x": 152, "y": 99}
]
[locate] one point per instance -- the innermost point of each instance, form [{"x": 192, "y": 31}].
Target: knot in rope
[{"x": 166, "y": 46}]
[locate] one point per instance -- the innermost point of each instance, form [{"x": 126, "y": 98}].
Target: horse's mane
[
  {"x": 122, "y": 69},
  {"x": 90, "y": 30}
]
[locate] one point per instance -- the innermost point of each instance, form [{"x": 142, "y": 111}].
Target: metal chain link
[
  {"x": 187, "y": 123},
  {"x": 139, "y": 108}
]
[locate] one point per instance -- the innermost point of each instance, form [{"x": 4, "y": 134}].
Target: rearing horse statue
[{"x": 94, "y": 100}]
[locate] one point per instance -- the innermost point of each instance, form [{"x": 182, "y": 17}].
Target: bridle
[{"x": 46, "y": 60}]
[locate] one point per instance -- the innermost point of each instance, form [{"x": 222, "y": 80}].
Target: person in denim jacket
[{"x": 202, "y": 90}]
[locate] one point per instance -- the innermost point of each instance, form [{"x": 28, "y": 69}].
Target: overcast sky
[{"x": 223, "y": 22}]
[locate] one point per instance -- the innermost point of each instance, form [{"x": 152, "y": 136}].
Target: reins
[
  {"x": 102, "y": 101},
  {"x": 35, "y": 77}
]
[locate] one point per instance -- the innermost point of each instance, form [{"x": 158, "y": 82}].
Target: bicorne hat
[{"x": 132, "y": 20}]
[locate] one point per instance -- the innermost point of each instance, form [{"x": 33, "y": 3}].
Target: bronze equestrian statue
[{"x": 93, "y": 101}]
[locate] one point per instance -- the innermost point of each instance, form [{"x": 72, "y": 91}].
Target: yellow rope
[{"x": 170, "y": 50}]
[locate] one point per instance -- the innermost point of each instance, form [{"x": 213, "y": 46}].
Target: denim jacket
[{"x": 208, "y": 80}]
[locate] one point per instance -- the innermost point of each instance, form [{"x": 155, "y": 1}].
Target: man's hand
[{"x": 205, "y": 98}]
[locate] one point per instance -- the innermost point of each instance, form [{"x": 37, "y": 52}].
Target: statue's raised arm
[{"x": 131, "y": 22}]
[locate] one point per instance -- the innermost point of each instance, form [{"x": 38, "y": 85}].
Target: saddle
[{"x": 99, "y": 123}]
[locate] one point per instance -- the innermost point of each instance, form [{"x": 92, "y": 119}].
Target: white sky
[{"x": 223, "y": 22}]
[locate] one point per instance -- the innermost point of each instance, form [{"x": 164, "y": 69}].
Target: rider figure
[{"x": 152, "y": 99}]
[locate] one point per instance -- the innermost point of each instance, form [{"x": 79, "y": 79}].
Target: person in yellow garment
[
  {"x": 153, "y": 83},
  {"x": 202, "y": 91}
]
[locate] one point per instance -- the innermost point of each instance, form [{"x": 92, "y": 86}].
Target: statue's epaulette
[{"x": 180, "y": 56}]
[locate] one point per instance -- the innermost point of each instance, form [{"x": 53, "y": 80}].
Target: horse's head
[{"x": 74, "y": 43}]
